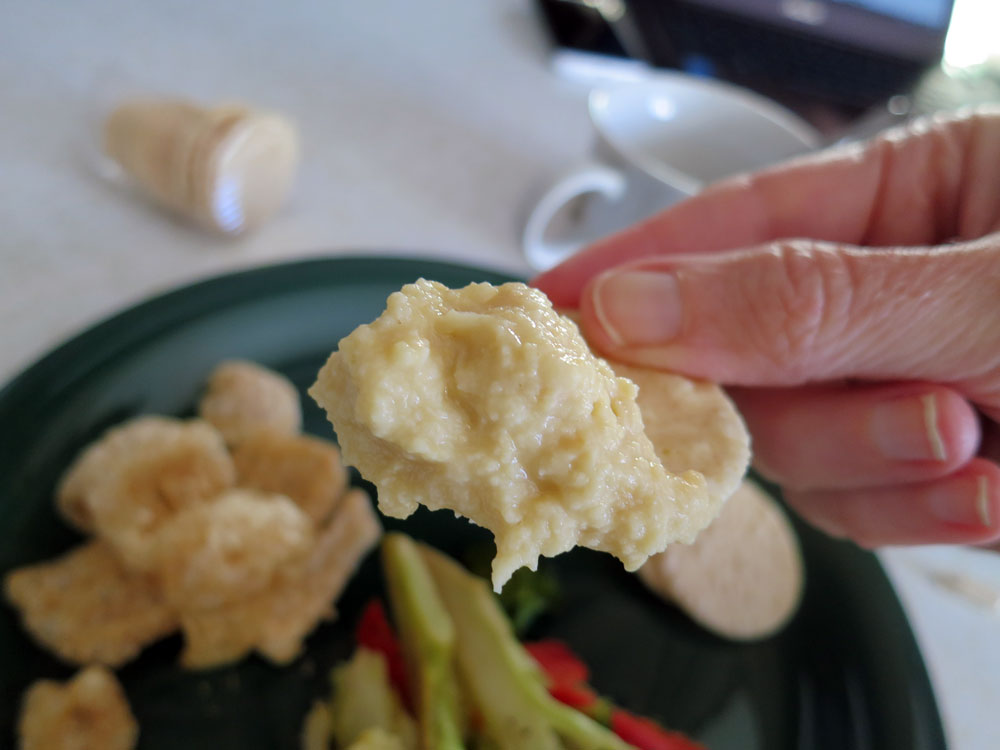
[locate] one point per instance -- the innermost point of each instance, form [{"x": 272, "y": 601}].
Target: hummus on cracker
[{"x": 486, "y": 401}]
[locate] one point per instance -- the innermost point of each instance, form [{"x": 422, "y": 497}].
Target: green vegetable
[
  {"x": 428, "y": 641},
  {"x": 316, "y": 732},
  {"x": 363, "y": 699},
  {"x": 503, "y": 680},
  {"x": 377, "y": 739},
  {"x": 526, "y": 596}
]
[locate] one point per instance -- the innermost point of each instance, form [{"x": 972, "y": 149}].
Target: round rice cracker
[
  {"x": 692, "y": 424},
  {"x": 743, "y": 577}
]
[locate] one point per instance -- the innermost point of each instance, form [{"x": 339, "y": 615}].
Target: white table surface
[{"x": 428, "y": 128}]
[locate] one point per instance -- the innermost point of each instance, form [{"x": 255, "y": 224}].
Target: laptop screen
[
  {"x": 907, "y": 29},
  {"x": 933, "y": 14}
]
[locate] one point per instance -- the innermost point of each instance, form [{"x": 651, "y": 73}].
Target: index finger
[{"x": 926, "y": 183}]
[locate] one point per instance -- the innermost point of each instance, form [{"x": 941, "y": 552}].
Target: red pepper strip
[
  {"x": 375, "y": 633},
  {"x": 568, "y": 675},
  {"x": 562, "y": 666},
  {"x": 578, "y": 696},
  {"x": 646, "y": 734}
]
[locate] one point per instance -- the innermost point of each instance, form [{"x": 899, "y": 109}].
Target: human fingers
[
  {"x": 922, "y": 184},
  {"x": 797, "y": 312},
  {"x": 844, "y": 436},
  {"x": 961, "y": 508}
]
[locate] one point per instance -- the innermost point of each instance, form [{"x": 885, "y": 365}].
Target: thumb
[{"x": 796, "y": 311}]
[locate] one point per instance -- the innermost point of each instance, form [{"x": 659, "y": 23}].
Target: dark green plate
[{"x": 845, "y": 674}]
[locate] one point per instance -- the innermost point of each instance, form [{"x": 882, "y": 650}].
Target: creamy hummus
[{"x": 486, "y": 401}]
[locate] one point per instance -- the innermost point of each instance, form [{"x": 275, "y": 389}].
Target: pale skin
[{"x": 851, "y": 303}]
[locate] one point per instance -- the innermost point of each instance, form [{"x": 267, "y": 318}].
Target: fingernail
[
  {"x": 983, "y": 500},
  {"x": 638, "y": 308},
  {"x": 906, "y": 429},
  {"x": 965, "y": 501}
]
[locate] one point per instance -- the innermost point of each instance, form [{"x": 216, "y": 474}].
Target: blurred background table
[{"x": 428, "y": 129}]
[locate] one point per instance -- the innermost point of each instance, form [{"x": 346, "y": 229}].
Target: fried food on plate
[
  {"x": 90, "y": 712},
  {"x": 304, "y": 468},
  {"x": 242, "y": 397},
  {"x": 743, "y": 576},
  {"x": 212, "y": 554},
  {"x": 274, "y": 622},
  {"x": 137, "y": 475},
  {"x": 486, "y": 401},
  {"x": 87, "y": 608},
  {"x": 176, "y": 543}
]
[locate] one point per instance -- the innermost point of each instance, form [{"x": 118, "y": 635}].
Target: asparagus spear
[
  {"x": 504, "y": 682},
  {"x": 363, "y": 699},
  {"x": 428, "y": 640}
]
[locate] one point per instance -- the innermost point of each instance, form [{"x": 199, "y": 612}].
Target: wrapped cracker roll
[{"x": 228, "y": 167}]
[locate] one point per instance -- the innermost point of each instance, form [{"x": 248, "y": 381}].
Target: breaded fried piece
[
  {"x": 211, "y": 554},
  {"x": 275, "y": 621},
  {"x": 243, "y": 397},
  {"x": 306, "y": 469},
  {"x": 87, "y": 608},
  {"x": 90, "y": 712},
  {"x": 138, "y": 475}
]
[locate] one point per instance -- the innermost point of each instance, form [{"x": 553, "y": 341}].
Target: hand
[{"x": 865, "y": 359}]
